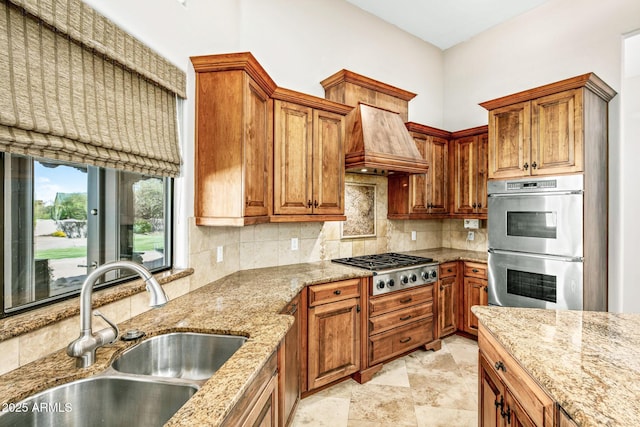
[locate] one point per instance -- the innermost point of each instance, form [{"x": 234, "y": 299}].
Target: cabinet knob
[
  {"x": 315, "y": 203},
  {"x": 474, "y": 205},
  {"x": 309, "y": 203},
  {"x": 534, "y": 165},
  {"x": 479, "y": 205},
  {"x": 337, "y": 292},
  {"x": 526, "y": 166},
  {"x": 475, "y": 270},
  {"x": 500, "y": 366}
]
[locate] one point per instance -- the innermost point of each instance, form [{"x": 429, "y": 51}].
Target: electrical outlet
[
  {"x": 414, "y": 235},
  {"x": 470, "y": 235},
  {"x": 294, "y": 243},
  {"x": 219, "y": 254}
]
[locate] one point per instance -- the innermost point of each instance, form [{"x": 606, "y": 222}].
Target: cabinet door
[
  {"x": 475, "y": 291},
  {"x": 257, "y": 148},
  {"x": 464, "y": 175},
  {"x": 447, "y": 306},
  {"x": 437, "y": 177},
  {"x": 328, "y": 163},
  {"x": 418, "y": 201},
  {"x": 556, "y": 140},
  {"x": 265, "y": 411},
  {"x": 482, "y": 174},
  {"x": 517, "y": 416},
  {"x": 509, "y": 139},
  {"x": 292, "y": 160},
  {"x": 333, "y": 341},
  {"x": 289, "y": 367},
  {"x": 491, "y": 398}
]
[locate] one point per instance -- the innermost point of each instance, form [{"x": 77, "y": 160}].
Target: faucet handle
[{"x": 106, "y": 333}]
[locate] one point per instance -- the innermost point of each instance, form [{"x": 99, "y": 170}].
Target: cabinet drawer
[
  {"x": 475, "y": 269},
  {"x": 335, "y": 291},
  {"x": 448, "y": 269},
  {"x": 401, "y": 317},
  {"x": 396, "y": 341},
  {"x": 400, "y": 299},
  {"x": 538, "y": 404}
]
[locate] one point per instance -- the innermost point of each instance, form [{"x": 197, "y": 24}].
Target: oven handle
[
  {"x": 539, "y": 256},
  {"x": 538, "y": 193}
]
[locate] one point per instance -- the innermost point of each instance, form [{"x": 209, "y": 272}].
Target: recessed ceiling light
[{"x": 364, "y": 170}]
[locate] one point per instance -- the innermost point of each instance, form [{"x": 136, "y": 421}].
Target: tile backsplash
[{"x": 267, "y": 245}]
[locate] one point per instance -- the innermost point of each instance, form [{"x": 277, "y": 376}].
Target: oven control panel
[{"x": 404, "y": 278}]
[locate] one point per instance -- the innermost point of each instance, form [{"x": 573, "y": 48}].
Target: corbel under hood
[{"x": 378, "y": 142}]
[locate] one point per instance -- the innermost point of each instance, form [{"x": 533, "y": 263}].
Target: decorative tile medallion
[{"x": 360, "y": 209}]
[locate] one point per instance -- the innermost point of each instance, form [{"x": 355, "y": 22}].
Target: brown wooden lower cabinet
[
  {"x": 265, "y": 410},
  {"x": 289, "y": 366},
  {"x": 400, "y": 321},
  {"x": 508, "y": 396},
  {"x": 333, "y": 332},
  {"x": 447, "y": 291},
  {"x": 474, "y": 293},
  {"x": 259, "y": 404}
]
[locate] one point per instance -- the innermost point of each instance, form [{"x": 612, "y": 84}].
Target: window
[{"x": 61, "y": 220}]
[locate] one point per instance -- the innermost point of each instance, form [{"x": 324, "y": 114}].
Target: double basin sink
[{"x": 144, "y": 386}]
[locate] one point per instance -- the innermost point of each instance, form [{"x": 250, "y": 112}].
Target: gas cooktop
[{"x": 383, "y": 261}]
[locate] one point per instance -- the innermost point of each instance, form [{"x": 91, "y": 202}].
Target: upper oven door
[
  {"x": 543, "y": 223},
  {"x": 538, "y": 281}
]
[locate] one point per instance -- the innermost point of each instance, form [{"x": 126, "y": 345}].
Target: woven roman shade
[{"x": 75, "y": 87}]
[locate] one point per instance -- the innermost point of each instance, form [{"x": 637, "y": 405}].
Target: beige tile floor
[{"x": 422, "y": 389}]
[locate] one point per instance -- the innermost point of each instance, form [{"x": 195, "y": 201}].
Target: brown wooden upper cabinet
[
  {"x": 308, "y": 158},
  {"x": 421, "y": 196},
  {"x": 234, "y": 140},
  {"x": 550, "y": 130},
  {"x": 469, "y": 153}
]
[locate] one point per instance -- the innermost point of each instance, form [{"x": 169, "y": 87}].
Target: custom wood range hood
[{"x": 378, "y": 142}]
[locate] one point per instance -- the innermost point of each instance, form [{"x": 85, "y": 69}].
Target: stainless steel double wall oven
[{"x": 536, "y": 242}]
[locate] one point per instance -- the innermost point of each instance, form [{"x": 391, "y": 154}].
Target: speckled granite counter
[
  {"x": 588, "y": 362},
  {"x": 447, "y": 254},
  {"x": 244, "y": 303}
]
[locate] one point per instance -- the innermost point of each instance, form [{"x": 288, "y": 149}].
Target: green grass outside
[{"x": 141, "y": 243}]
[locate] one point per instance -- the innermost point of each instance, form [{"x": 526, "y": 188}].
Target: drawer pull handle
[
  {"x": 405, "y": 318},
  {"x": 405, "y": 340},
  {"x": 500, "y": 366},
  {"x": 449, "y": 270},
  {"x": 337, "y": 292},
  {"x": 475, "y": 270},
  {"x": 406, "y": 300}
]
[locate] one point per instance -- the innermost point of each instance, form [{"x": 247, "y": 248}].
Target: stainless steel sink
[
  {"x": 187, "y": 355},
  {"x": 101, "y": 401}
]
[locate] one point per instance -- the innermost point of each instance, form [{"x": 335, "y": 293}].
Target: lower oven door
[{"x": 518, "y": 279}]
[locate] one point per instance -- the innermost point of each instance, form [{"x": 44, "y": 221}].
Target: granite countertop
[
  {"x": 245, "y": 303},
  {"x": 447, "y": 254},
  {"x": 588, "y": 362}
]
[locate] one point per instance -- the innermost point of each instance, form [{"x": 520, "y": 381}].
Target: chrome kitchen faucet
[{"x": 84, "y": 347}]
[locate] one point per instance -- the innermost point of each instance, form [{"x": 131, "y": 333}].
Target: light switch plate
[
  {"x": 219, "y": 254},
  {"x": 471, "y": 235},
  {"x": 414, "y": 235},
  {"x": 294, "y": 243}
]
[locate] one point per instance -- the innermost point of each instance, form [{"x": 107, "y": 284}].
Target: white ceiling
[{"x": 445, "y": 23}]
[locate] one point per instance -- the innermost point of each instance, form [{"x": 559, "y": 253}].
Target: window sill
[{"x": 21, "y": 324}]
